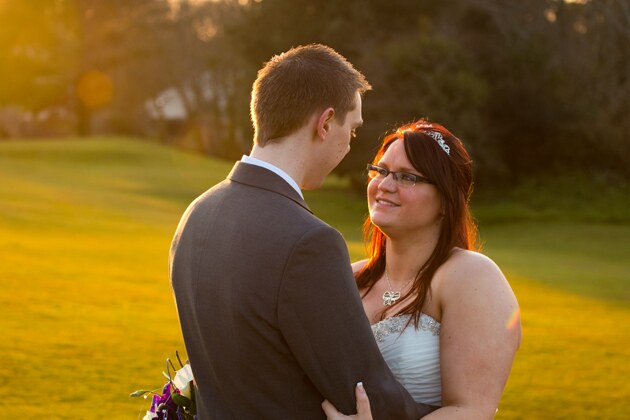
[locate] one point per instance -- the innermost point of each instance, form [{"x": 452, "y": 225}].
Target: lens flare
[
  {"x": 514, "y": 319},
  {"x": 95, "y": 89}
]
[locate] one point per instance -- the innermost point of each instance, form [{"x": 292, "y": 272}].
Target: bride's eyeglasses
[{"x": 404, "y": 179}]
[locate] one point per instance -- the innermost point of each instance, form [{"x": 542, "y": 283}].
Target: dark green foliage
[{"x": 515, "y": 81}]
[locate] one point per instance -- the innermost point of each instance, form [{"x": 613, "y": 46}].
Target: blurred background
[
  {"x": 534, "y": 86},
  {"x": 115, "y": 114}
]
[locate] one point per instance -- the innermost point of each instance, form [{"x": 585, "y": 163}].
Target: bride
[{"x": 444, "y": 316}]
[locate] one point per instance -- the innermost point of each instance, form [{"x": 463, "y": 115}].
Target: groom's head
[{"x": 294, "y": 85}]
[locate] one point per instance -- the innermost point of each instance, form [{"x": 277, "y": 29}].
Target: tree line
[{"x": 541, "y": 86}]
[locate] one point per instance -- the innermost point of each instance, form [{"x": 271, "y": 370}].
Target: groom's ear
[{"x": 324, "y": 121}]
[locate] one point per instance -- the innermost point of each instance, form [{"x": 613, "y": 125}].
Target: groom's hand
[{"x": 363, "y": 407}]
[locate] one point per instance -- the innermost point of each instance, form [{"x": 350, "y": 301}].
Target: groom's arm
[{"x": 322, "y": 319}]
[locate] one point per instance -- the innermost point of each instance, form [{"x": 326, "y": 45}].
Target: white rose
[{"x": 182, "y": 380}]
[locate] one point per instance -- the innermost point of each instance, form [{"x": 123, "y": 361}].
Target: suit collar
[{"x": 259, "y": 177}]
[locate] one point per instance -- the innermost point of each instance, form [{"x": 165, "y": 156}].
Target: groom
[{"x": 269, "y": 310}]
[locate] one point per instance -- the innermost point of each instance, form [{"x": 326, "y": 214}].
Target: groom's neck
[{"x": 288, "y": 155}]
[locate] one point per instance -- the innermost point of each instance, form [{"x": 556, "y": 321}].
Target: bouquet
[{"x": 177, "y": 400}]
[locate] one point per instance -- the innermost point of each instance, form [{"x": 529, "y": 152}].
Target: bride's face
[{"x": 399, "y": 209}]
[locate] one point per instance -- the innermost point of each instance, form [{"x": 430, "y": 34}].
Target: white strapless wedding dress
[{"x": 413, "y": 355}]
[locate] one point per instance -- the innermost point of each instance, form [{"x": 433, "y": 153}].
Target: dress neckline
[
  {"x": 398, "y": 323},
  {"x": 389, "y": 318}
]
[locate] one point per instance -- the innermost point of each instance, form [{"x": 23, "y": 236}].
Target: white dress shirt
[{"x": 273, "y": 168}]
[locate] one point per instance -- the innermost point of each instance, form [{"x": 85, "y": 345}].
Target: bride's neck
[{"x": 405, "y": 257}]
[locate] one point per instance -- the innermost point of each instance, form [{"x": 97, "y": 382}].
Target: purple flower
[
  {"x": 163, "y": 405},
  {"x": 159, "y": 399}
]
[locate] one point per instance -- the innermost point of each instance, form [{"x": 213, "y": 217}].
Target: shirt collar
[{"x": 274, "y": 169}]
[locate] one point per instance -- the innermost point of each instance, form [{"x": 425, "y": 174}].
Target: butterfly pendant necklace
[{"x": 391, "y": 296}]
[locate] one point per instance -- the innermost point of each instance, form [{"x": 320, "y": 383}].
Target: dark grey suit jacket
[{"x": 269, "y": 308}]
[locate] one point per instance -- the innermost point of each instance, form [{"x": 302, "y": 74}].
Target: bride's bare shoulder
[
  {"x": 358, "y": 265},
  {"x": 470, "y": 273},
  {"x": 472, "y": 260}
]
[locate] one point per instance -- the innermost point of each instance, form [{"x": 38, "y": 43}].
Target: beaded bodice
[{"x": 396, "y": 324}]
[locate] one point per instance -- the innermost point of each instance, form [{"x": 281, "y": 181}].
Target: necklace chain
[{"x": 391, "y": 296}]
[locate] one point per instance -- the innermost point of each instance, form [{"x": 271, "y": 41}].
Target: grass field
[{"x": 85, "y": 228}]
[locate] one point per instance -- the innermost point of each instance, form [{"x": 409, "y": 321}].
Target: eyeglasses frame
[{"x": 384, "y": 173}]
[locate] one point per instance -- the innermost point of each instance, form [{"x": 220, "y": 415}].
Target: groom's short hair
[{"x": 294, "y": 85}]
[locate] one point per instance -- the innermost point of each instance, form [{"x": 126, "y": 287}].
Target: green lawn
[{"x": 85, "y": 228}]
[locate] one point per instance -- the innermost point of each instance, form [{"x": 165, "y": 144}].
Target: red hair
[{"x": 451, "y": 174}]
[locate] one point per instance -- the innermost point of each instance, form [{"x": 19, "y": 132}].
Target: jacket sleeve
[{"x": 322, "y": 319}]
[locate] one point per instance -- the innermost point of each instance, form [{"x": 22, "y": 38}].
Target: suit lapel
[{"x": 260, "y": 177}]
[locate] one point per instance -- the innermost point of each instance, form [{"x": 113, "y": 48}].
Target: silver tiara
[{"x": 440, "y": 140}]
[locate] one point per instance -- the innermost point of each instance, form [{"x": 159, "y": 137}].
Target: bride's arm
[{"x": 480, "y": 333}]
